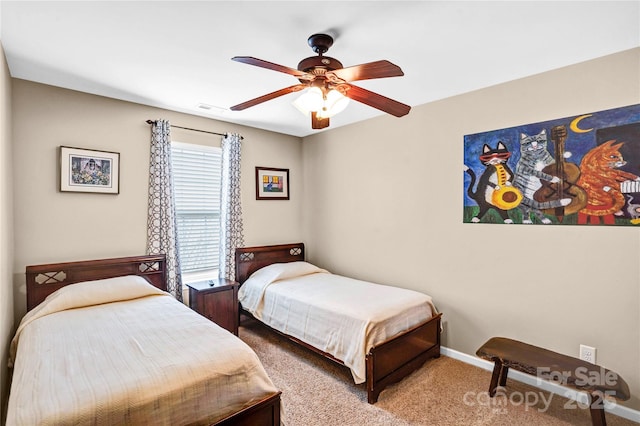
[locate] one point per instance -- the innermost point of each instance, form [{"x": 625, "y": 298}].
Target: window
[{"x": 197, "y": 175}]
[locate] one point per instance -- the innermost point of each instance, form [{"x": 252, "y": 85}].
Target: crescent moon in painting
[{"x": 576, "y": 121}]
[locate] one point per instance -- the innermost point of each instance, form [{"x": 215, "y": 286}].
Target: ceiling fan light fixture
[
  {"x": 314, "y": 101},
  {"x": 334, "y": 103},
  {"x": 310, "y": 100}
]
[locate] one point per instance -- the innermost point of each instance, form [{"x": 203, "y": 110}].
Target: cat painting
[
  {"x": 534, "y": 157},
  {"x": 600, "y": 178},
  {"x": 494, "y": 190}
]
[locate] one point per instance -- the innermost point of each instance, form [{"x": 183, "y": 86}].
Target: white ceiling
[{"x": 177, "y": 54}]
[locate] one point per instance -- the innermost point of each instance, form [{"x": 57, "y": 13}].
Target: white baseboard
[{"x": 581, "y": 397}]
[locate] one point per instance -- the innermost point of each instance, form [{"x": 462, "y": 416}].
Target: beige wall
[
  {"x": 52, "y": 226},
  {"x": 383, "y": 202},
  {"x": 6, "y": 228}
]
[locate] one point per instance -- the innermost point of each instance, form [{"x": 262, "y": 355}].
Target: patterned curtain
[
  {"x": 232, "y": 235},
  {"x": 161, "y": 222}
]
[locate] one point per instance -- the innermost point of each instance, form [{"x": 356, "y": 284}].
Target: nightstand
[{"x": 217, "y": 300}]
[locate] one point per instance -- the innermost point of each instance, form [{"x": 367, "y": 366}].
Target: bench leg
[
  {"x": 596, "y": 406},
  {"x": 503, "y": 375},
  {"x": 496, "y": 377}
]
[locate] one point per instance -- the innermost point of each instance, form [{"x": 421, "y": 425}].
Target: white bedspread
[
  {"x": 338, "y": 315},
  {"x": 120, "y": 351}
]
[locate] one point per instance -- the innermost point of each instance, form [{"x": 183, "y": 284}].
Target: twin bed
[
  {"x": 115, "y": 348},
  {"x": 381, "y": 333}
]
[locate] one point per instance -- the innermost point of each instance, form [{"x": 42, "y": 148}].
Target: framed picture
[
  {"x": 87, "y": 170},
  {"x": 272, "y": 184}
]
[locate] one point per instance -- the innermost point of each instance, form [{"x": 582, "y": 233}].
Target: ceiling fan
[{"x": 329, "y": 82}]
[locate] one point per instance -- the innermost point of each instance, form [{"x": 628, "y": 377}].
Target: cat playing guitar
[{"x": 564, "y": 187}]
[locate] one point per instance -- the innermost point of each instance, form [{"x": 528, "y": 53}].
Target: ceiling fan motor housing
[
  {"x": 322, "y": 63},
  {"x": 318, "y": 65}
]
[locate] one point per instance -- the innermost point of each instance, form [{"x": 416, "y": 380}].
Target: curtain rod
[{"x": 195, "y": 130}]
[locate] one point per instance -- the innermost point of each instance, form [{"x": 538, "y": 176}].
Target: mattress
[
  {"x": 341, "y": 316},
  {"x": 120, "y": 351}
]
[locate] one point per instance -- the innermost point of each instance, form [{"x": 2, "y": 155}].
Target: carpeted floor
[{"x": 316, "y": 391}]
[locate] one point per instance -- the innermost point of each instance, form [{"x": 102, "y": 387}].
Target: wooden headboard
[
  {"x": 250, "y": 259},
  {"x": 42, "y": 280}
]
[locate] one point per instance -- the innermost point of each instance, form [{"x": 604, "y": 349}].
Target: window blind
[{"x": 197, "y": 177}]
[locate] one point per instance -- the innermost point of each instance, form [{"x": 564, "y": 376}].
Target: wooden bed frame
[
  {"x": 43, "y": 280},
  {"x": 386, "y": 363}
]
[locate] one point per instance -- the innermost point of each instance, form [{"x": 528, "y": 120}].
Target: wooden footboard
[
  {"x": 395, "y": 359},
  {"x": 390, "y": 361},
  {"x": 263, "y": 413}
]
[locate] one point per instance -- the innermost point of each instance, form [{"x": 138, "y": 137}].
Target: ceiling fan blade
[
  {"x": 318, "y": 122},
  {"x": 271, "y": 66},
  {"x": 376, "y": 101},
  {"x": 378, "y": 69},
  {"x": 268, "y": 97}
]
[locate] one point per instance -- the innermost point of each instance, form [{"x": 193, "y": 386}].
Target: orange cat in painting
[{"x": 601, "y": 181}]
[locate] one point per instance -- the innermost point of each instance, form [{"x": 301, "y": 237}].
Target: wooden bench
[{"x": 575, "y": 373}]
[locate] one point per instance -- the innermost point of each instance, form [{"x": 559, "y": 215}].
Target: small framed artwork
[
  {"x": 272, "y": 184},
  {"x": 87, "y": 170}
]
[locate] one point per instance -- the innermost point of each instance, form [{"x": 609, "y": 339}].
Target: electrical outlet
[{"x": 588, "y": 353}]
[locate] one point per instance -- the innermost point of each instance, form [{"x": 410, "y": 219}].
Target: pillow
[
  {"x": 88, "y": 293},
  {"x": 283, "y": 271}
]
